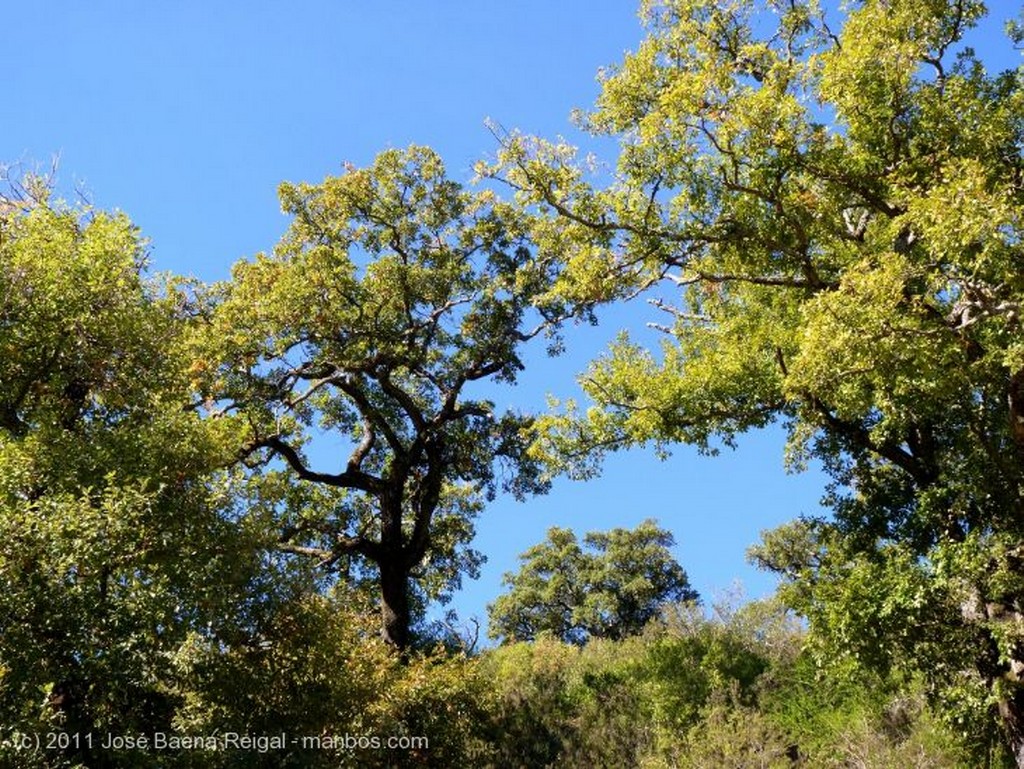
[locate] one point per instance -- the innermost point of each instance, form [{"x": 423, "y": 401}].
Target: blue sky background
[{"x": 187, "y": 116}]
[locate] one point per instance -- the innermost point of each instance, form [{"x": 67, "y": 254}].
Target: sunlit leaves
[
  {"x": 394, "y": 295},
  {"x": 836, "y": 193},
  {"x": 116, "y": 541},
  {"x": 611, "y": 586}
]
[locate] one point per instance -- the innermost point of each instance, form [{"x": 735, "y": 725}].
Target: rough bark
[
  {"x": 1011, "y": 712},
  {"x": 395, "y": 616},
  {"x": 1015, "y": 401}
]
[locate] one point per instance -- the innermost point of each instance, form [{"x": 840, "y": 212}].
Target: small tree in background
[{"x": 610, "y": 587}]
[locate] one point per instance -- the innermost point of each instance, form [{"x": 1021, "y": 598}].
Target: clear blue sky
[{"x": 187, "y": 115}]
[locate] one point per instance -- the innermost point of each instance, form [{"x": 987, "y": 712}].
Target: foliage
[
  {"x": 828, "y": 209},
  {"x": 611, "y": 589},
  {"x": 623, "y": 702},
  {"x": 735, "y": 689},
  {"x": 557, "y": 704},
  {"x": 904, "y": 600},
  {"x": 316, "y": 668},
  {"x": 834, "y": 712},
  {"x": 113, "y": 541},
  {"x": 393, "y": 297},
  {"x": 828, "y": 215}
]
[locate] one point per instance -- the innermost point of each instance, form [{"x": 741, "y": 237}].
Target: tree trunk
[
  {"x": 1011, "y": 712},
  {"x": 394, "y": 605}
]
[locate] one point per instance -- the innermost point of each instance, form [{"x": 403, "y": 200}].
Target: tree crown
[{"x": 611, "y": 586}]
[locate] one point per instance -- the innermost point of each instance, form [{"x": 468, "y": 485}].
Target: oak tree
[
  {"x": 394, "y": 296},
  {"x": 113, "y": 546},
  {"x": 611, "y": 587},
  {"x": 827, "y": 207}
]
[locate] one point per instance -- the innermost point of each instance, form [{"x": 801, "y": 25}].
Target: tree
[
  {"x": 393, "y": 297},
  {"x": 828, "y": 210},
  {"x": 113, "y": 545},
  {"x": 609, "y": 588}
]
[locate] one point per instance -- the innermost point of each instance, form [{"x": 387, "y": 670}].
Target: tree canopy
[
  {"x": 224, "y": 508},
  {"x": 829, "y": 214},
  {"x": 395, "y": 293},
  {"x": 611, "y": 587},
  {"x": 114, "y": 549}
]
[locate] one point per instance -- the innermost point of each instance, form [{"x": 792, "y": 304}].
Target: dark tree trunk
[
  {"x": 394, "y": 605},
  {"x": 1015, "y": 400},
  {"x": 1011, "y": 712},
  {"x": 394, "y": 574},
  {"x": 68, "y": 700}
]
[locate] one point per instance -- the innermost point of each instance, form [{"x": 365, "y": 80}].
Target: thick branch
[
  {"x": 355, "y": 461},
  {"x": 348, "y": 386},
  {"x": 860, "y": 436},
  {"x": 327, "y": 557},
  {"x": 424, "y": 504},
  {"x": 342, "y": 546},
  {"x": 332, "y": 378},
  {"x": 350, "y": 479},
  {"x": 403, "y": 399}
]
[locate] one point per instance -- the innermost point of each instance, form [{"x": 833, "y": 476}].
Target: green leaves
[
  {"x": 828, "y": 207},
  {"x": 610, "y": 588},
  {"x": 114, "y": 543},
  {"x": 393, "y": 294},
  {"x": 69, "y": 292}
]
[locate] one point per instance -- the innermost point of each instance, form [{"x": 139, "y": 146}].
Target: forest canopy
[{"x": 824, "y": 206}]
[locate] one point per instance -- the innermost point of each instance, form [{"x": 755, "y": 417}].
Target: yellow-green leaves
[
  {"x": 968, "y": 219},
  {"x": 829, "y": 203},
  {"x": 611, "y": 587},
  {"x": 836, "y": 194},
  {"x": 393, "y": 291},
  {"x": 869, "y": 349},
  {"x": 114, "y": 542}
]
